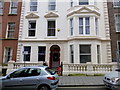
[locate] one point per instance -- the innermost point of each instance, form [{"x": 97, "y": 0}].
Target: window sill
[
  {"x": 32, "y": 11},
  {"x": 12, "y": 14},
  {"x": 51, "y": 37},
  {"x": 30, "y": 38},
  {"x": 9, "y": 38}
]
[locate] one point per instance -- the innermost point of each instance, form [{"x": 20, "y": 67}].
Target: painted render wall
[{"x": 63, "y": 39}]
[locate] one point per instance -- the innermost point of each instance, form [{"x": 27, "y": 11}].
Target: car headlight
[{"x": 115, "y": 79}]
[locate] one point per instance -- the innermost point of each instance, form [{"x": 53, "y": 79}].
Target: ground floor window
[
  {"x": 119, "y": 47},
  {"x": 41, "y": 53},
  {"x": 8, "y": 54},
  {"x": 85, "y": 53},
  {"x": 98, "y": 53},
  {"x": 27, "y": 52},
  {"x": 71, "y": 54}
]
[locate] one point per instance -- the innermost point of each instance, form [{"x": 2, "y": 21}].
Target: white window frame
[
  {"x": 114, "y": 4},
  {"x": 32, "y": 29},
  {"x": 52, "y": 28},
  {"x": 15, "y": 7},
  {"x": 31, "y": 6},
  {"x": 49, "y": 5},
  {"x": 1, "y": 7},
  {"x": 8, "y": 31},
  {"x": 117, "y": 24},
  {"x": 5, "y": 54},
  {"x": 84, "y": 26}
]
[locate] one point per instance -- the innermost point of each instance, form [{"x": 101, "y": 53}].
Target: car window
[
  {"x": 117, "y": 70},
  {"x": 34, "y": 72},
  {"x": 19, "y": 73},
  {"x": 49, "y": 70}
]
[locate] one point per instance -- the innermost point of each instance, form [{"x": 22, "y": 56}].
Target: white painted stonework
[{"x": 63, "y": 39}]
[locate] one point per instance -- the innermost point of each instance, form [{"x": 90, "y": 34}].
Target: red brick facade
[
  {"x": 11, "y": 42},
  {"x": 115, "y": 36}
]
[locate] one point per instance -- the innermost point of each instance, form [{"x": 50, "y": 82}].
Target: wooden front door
[{"x": 54, "y": 56}]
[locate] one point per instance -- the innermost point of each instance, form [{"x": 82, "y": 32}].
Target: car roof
[{"x": 36, "y": 67}]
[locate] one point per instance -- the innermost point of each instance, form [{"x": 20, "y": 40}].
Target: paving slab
[{"x": 81, "y": 81}]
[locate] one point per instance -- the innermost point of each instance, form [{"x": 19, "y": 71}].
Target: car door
[
  {"x": 14, "y": 80},
  {"x": 32, "y": 79}
]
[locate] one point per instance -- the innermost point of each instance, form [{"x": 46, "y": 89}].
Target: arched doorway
[{"x": 54, "y": 56}]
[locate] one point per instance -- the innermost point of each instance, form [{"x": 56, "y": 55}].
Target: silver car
[
  {"x": 31, "y": 78},
  {"x": 112, "y": 80}
]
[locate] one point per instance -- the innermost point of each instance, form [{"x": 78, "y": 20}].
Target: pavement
[{"x": 67, "y": 81}]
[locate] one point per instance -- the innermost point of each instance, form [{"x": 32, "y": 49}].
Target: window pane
[
  {"x": 71, "y": 26},
  {"x": 14, "y": 5},
  {"x": 117, "y": 22},
  {"x": 85, "y": 53},
  {"x": 83, "y": 2},
  {"x": 87, "y": 25},
  {"x": 41, "y": 53},
  {"x": 80, "y": 25},
  {"x": 1, "y": 6},
  {"x": 52, "y": 4},
  {"x": 32, "y": 24},
  {"x": 27, "y": 49},
  {"x": 11, "y": 30},
  {"x": 85, "y": 58},
  {"x": 8, "y": 54},
  {"x": 85, "y": 49},
  {"x": 51, "y": 28},
  {"x": 117, "y": 3},
  {"x": 71, "y": 54},
  {"x": 31, "y": 32}
]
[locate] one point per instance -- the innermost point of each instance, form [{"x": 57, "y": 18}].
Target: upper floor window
[
  {"x": 71, "y": 3},
  {"x": 117, "y": 22},
  {"x": 33, "y": 5},
  {"x": 11, "y": 30},
  {"x": 0, "y": 26},
  {"x": 71, "y": 26},
  {"x": 1, "y": 7},
  {"x": 32, "y": 28},
  {"x": 84, "y": 25},
  {"x": 116, "y": 3},
  {"x": 13, "y": 6},
  {"x": 83, "y": 2},
  {"x": 96, "y": 26},
  {"x": 51, "y": 28},
  {"x": 52, "y": 5}
]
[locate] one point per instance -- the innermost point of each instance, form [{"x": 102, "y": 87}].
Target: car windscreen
[
  {"x": 49, "y": 70},
  {"x": 117, "y": 70}
]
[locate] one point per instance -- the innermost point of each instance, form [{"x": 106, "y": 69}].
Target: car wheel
[{"x": 44, "y": 87}]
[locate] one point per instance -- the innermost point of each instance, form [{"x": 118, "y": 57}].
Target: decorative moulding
[
  {"x": 32, "y": 15},
  {"x": 51, "y": 15},
  {"x": 84, "y": 10}
]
